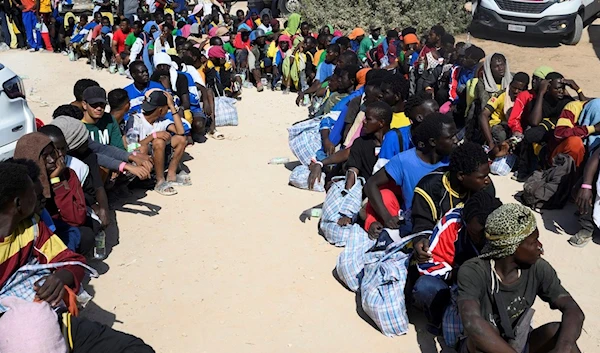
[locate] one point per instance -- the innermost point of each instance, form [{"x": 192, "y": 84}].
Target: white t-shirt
[
  {"x": 139, "y": 123},
  {"x": 81, "y": 169}
]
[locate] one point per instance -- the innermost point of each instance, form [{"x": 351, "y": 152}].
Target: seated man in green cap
[{"x": 497, "y": 290}]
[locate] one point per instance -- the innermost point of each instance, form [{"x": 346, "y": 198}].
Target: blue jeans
[
  {"x": 432, "y": 295},
  {"x": 68, "y": 234},
  {"x": 30, "y": 20}
]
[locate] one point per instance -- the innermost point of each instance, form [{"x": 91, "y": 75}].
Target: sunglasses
[{"x": 98, "y": 105}]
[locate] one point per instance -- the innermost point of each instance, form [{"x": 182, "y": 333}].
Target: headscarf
[
  {"x": 542, "y": 71},
  {"x": 361, "y": 77},
  {"x": 186, "y": 30},
  {"x": 66, "y": 20},
  {"x": 212, "y": 32},
  {"x": 148, "y": 26},
  {"x": 74, "y": 130},
  {"x": 410, "y": 38},
  {"x": 30, "y": 146},
  {"x": 265, "y": 11},
  {"x": 285, "y": 38},
  {"x": 293, "y": 24},
  {"x": 331, "y": 30},
  {"x": 488, "y": 77},
  {"x": 338, "y": 33},
  {"x": 197, "y": 9},
  {"x": 216, "y": 52},
  {"x": 505, "y": 230},
  {"x": 357, "y": 32},
  {"x": 164, "y": 58},
  {"x": 244, "y": 26}
]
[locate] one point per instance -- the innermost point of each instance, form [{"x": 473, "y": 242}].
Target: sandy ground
[{"x": 230, "y": 265}]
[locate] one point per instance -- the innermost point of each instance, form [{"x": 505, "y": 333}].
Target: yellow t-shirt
[
  {"x": 399, "y": 120},
  {"x": 496, "y": 106},
  {"x": 45, "y": 6}
]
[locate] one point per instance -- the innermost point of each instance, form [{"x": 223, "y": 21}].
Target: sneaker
[
  {"x": 64, "y": 52},
  {"x": 581, "y": 239},
  {"x": 31, "y": 50},
  {"x": 286, "y": 91},
  {"x": 259, "y": 87}
]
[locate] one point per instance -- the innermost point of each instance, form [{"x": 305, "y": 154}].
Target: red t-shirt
[{"x": 119, "y": 37}]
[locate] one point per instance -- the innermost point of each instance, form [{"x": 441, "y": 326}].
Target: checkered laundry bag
[
  {"x": 503, "y": 165},
  {"x": 21, "y": 283},
  {"x": 225, "y": 112},
  {"x": 351, "y": 261},
  {"x": 339, "y": 203},
  {"x": 299, "y": 179},
  {"x": 452, "y": 326},
  {"x": 305, "y": 139},
  {"x": 382, "y": 287}
]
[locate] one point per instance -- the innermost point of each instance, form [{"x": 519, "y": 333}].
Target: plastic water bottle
[
  {"x": 133, "y": 140},
  {"x": 279, "y": 160},
  {"x": 306, "y": 100},
  {"x": 100, "y": 246},
  {"x": 113, "y": 66},
  {"x": 93, "y": 62}
]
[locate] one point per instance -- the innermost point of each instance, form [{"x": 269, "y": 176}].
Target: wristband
[
  {"x": 122, "y": 167},
  {"x": 579, "y": 91},
  {"x": 586, "y": 186},
  {"x": 134, "y": 153},
  {"x": 55, "y": 180},
  {"x": 153, "y": 135},
  {"x": 317, "y": 162}
]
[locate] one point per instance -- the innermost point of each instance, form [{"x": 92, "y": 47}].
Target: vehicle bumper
[{"x": 554, "y": 25}]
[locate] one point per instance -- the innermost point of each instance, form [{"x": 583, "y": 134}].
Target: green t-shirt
[
  {"x": 130, "y": 39},
  {"x": 106, "y": 131},
  {"x": 474, "y": 283},
  {"x": 229, "y": 48}
]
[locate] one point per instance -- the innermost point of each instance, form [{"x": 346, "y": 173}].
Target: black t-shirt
[
  {"x": 434, "y": 197},
  {"x": 363, "y": 155},
  {"x": 92, "y": 337},
  {"x": 551, "y": 108},
  {"x": 475, "y": 279}
]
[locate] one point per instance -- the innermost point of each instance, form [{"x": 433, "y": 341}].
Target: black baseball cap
[
  {"x": 94, "y": 94},
  {"x": 155, "y": 100}
]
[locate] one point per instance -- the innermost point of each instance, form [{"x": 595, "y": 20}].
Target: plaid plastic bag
[
  {"x": 225, "y": 112},
  {"x": 305, "y": 139},
  {"x": 351, "y": 261},
  {"x": 503, "y": 165},
  {"x": 382, "y": 287},
  {"x": 339, "y": 203},
  {"x": 452, "y": 326},
  {"x": 299, "y": 179}
]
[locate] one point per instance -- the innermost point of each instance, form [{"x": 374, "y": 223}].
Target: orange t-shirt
[{"x": 28, "y": 5}]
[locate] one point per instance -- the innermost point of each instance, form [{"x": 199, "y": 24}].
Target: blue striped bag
[
  {"x": 382, "y": 287},
  {"x": 452, "y": 327},
  {"x": 299, "y": 179},
  {"x": 339, "y": 203},
  {"x": 351, "y": 261},
  {"x": 225, "y": 112},
  {"x": 305, "y": 139}
]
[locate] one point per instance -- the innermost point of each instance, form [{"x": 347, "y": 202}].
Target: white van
[
  {"x": 561, "y": 18},
  {"x": 16, "y": 119}
]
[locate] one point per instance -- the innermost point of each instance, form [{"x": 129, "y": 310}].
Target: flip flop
[
  {"x": 182, "y": 179},
  {"x": 165, "y": 188},
  {"x": 217, "y": 135}
]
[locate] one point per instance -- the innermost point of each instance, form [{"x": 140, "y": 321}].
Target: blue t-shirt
[
  {"x": 137, "y": 97},
  {"x": 407, "y": 169},
  {"x": 324, "y": 71},
  {"x": 391, "y": 146}
]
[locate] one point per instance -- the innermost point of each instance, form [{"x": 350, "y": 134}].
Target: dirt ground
[{"x": 231, "y": 265}]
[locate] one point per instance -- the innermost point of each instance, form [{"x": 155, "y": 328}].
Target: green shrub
[{"x": 421, "y": 14}]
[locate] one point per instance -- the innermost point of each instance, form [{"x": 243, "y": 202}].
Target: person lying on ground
[
  {"x": 457, "y": 237},
  {"x": 61, "y": 189},
  {"x": 444, "y": 189},
  {"x": 416, "y": 109},
  {"x": 434, "y": 140},
  {"x": 497, "y": 290},
  {"x": 493, "y": 120},
  {"x": 155, "y": 137}
]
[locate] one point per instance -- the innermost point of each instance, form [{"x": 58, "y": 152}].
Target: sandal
[
  {"x": 217, "y": 135},
  {"x": 581, "y": 239},
  {"x": 182, "y": 179},
  {"x": 165, "y": 189}
]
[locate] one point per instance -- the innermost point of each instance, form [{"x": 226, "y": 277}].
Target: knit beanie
[
  {"x": 30, "y": 327},
  {"x": 74, "y": 130}
]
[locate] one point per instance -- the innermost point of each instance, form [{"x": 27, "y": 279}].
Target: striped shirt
[{"x": 18, "y": 248}]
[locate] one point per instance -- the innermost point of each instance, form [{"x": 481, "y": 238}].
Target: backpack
[{"x": 549, "y": 189}]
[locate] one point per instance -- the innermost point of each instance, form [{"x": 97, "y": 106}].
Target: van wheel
[
  {"x": 574, "y": 37},
  {"x": 287, "y": 7}
]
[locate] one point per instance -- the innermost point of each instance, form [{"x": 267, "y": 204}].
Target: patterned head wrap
[{"x": 506, "y": 228}]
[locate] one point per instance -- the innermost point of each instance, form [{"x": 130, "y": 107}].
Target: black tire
[
  {"x": 287, "y": 7},
  {"x": 574, "y": 37}
]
